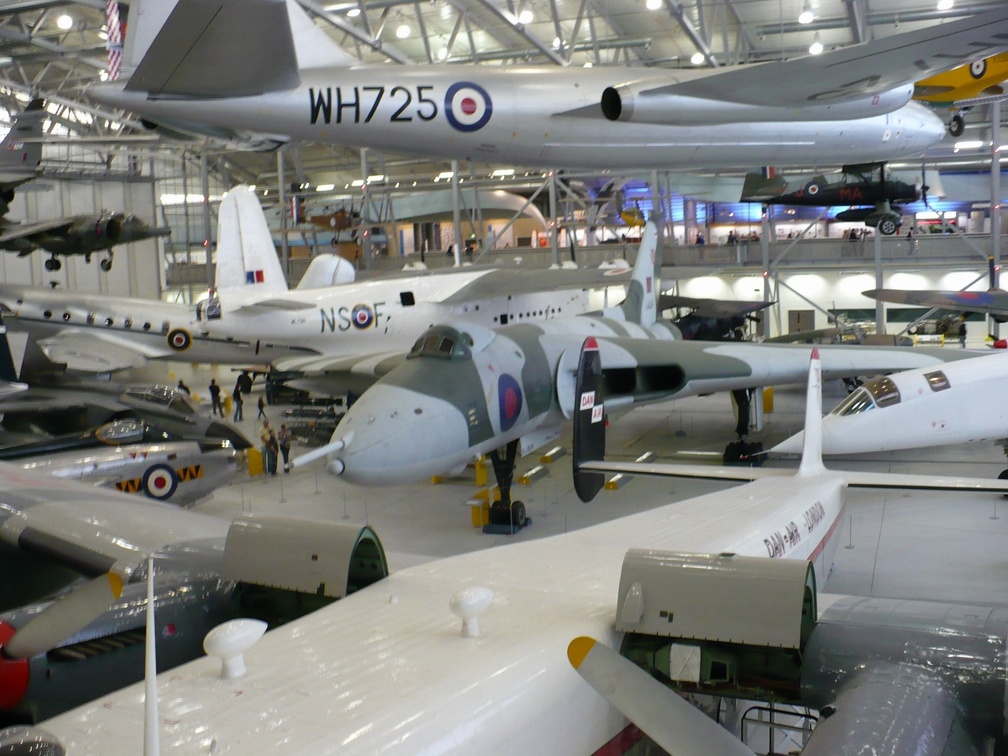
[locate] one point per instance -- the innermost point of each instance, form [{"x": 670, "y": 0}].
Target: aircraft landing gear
[
  {"x": 742, "y": 452},
  {"x": 889, "y": 225},
  {"x": 106, "y": 264},
  {"x": 956, "y": 125},
  {"x": 506, "y": 512},
  {"x": 53, "y": 264}
]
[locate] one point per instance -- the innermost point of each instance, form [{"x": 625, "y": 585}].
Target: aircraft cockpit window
[
  {"x": 859, "y": 401},
  {"x": 213, "y": 308},
  {"x": 937, "y": 380},
  {"x": 441, "y": 342},
  {"x": 121, "y": 432},
  {"x": 884, "y": 391}
]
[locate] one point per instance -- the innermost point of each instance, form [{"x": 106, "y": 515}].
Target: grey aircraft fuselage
[{"x": 545, "y": 116}]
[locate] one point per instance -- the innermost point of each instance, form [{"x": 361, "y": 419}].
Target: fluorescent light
[
  {"x": 556, "y": 42},
  {"x": 325, "y": 187},
  {"x": 944, "y": 5},
  {"x": 969, "y": 144},
  {"x": 376, "y": 178},
  {"x": 357, "y": 182},
  {"x": 65, "y": 22},
  {"x": 698, "y": 58},
  {"x": 503, "y": 172},
  {"x": 588, "y": 64},
  {"x": 444, "y": 175},
  {"x": 353, "y": 13}
]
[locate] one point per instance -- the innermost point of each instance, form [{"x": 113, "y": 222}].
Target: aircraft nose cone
[{"x": 400, "y": 436}]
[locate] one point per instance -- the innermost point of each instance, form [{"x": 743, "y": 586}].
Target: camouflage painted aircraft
[
  {"x": 993, "y": 301},
  {"x": 468, "y": 390},
  {"x": 871, "y": 199}
]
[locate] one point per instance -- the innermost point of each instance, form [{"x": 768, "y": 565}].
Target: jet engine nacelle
[
  {"x": 103, "y": 231},
  {"x": 633, "y": 103}
]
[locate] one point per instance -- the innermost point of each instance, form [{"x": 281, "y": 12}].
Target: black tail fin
[
  {"x": 589, "y": 421},
  {"x": 8, "y": 373},
  {"x": 992, "y": 273}
]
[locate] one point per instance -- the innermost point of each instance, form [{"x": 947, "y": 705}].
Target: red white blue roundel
[
  {"x": 362, "y": 316},
  {"x": 467, "y": 106},
  {"x": 509, "y": 397}
]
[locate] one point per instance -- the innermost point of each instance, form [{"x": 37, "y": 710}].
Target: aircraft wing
[
  {"x": 334, "y": 376},
  {"x": 269, "y": 306},
  {"x": 94, "y": 351},
  {"x": 711, "y": 308},
  {"x": 688, "y": 368},
  {"x": 90, "y": 530},
  {"x": 28, "y": 230},
  {"x": 992, "y": 301},
  {"x": 493, "y": 282},
  {"x": 850, "y": 72}
]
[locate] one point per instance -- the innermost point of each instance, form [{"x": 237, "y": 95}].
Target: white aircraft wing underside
[
  {"x": 495, "y": 281},
  {"x": 93, "y": 351},
  {"x": 865, "y": 69},
  {"x": 93, "y": 530}
]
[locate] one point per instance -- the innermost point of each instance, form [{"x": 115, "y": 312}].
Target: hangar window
[{"x": 937, "y": 380}]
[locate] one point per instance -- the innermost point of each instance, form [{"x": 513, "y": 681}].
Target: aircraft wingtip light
[{"x": 578, "y": 649}]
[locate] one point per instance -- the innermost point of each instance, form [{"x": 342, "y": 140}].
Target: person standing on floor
[
  {"x": 265, "y": 432},
  {"x": 962, "y": 333},
  {"x": 284, "y": 439},
  {"x": 215, "y": 403},
  {"x": 183, "y": 387},
  {"x": 272, "y": 451},
  {"x": 262, "y": 408},
  {"x": 239, "y": 404}
]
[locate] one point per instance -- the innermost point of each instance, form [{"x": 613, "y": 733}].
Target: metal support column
[
  {"x": 880, "y": 324},
  {"x": 554, "y": 230},
  {"x": 764, "y": 242},
  {"x": 364, "y": 236},
  {"x": 457, "y": 213},
  {"x": 207, "y": 241},
  {"x": 284, "y": 242},
  {"x": 995, "y": 212}
]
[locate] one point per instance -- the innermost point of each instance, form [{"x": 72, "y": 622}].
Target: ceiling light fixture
[
  {"x": 353, "y": 13},
  {"x": 806, "y": 16},
  {"x": 403, "y": 31},
  {"x": 65, "y": 22},
  {"x": 697, "y": 58},
  {"x": 944, "y": 5},
  {"x": 525, "y": 17},
  {"x": 653, "y": 4},
  {"x": 816, "y": 47}
]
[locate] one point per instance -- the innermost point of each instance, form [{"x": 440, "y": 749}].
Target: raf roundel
[
  {"x": 362, "y": 316},
  {"x": 179, "y": 339},
  {"x": 509, "y": 395},
  {"x": 160, "y": 482},
  {"x": 467, "y": 106}
]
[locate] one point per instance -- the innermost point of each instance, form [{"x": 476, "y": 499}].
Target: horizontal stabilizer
[{"x": 247, "y": 44}]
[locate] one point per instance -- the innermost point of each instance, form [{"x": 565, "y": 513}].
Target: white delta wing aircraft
[
  {"x": 848, "y": 105},
  {"x": 389, "y": 669},
  {"x": 252, "y": 316},
  {"x": 956, "y": 403}
]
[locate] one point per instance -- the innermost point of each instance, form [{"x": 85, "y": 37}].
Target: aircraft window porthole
[
  {"x": 146, "y": 326},
  {"x": 47, "y": 314},
  {"x": 66, "y": 316},
  {"x": 128, "y": 323},
  {"x": 108, "y": 321}
]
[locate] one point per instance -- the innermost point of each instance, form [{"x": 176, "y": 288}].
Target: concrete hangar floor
[{"x": 896, "y": 544}]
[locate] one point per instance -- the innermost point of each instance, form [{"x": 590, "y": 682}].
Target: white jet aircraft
[
  {"x": 252, "y": 317},
  {"x": 850, "y": 105},
  {"x": 956, "y": 403},
  {"x": 387, "y": 669}
]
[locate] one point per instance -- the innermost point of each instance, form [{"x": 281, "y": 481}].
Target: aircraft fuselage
[{"x": 546, "y": 117}]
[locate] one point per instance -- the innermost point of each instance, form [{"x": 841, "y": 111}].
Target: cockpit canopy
[
  {"x": 165, "y": 396},
  {"x": 130, "y": 431},
  {"x": 449, "y": 343},
  {"x": 878, "y": 392}
]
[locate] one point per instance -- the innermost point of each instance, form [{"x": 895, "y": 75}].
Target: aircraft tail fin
[
  {"x": 811, "y": 461},
  {"x": 589, "y": 421},
  {"x": 760, "y": 186},
  {"x": 246, "y": 255},
  {"x": 8, "y": 370},
  {"x": 21, "y": 149},
  {"x": 641, "y": 303},
  {"x": 992, "y": 271},
  {"x": 313, "y": 47}
]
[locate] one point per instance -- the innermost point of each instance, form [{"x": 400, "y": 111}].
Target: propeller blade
[
  {"x": 668, "y": 719},
  {"x": 64, "y": 617},
  {"x": 322, "y": 451}
]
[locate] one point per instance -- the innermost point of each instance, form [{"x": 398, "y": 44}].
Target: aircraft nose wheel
[
  {"x": 888, "y": 226},
  {"x": 106, "y": 265},
  {"x": 53, "y": 264},
  {"x": 956, "y": 125}
]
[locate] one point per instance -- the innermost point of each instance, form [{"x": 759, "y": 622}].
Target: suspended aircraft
[
  {"x": 21, "y": 151},
  {"x": 964, "y": 87},
  {"x": 76, "y": 235},
  {"x": 852, "y": 104},
  {"x": 469, "y": 390},
  {"x": 494, "y": 678},
  {"x": 252, "y": 317},
  {"x": 872, "y": 200},
  {"x": 993, "y": 301}
]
